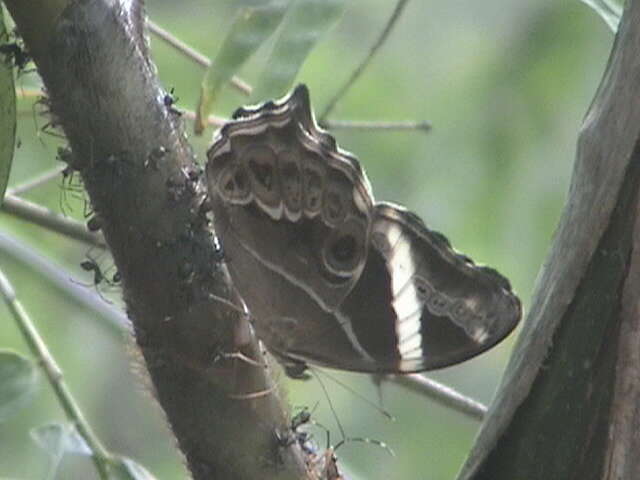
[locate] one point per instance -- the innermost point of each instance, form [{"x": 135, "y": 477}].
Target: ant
[
  {"x": 15, "y": 55},
  {"x": 67, "y": 180},
  {"x": 294, "y": 435},
  {"x": 90, "y": 265},
  {"x": 326, "y": 462},
  {"x": 68, "y": 183},
  {"x": 42, "y": 107},
  {"x": 169, "y": 101},
  {"x": 94, "y": 223}
]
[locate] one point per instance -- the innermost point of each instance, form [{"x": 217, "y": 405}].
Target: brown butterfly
[{"x": 330, "y": 276}]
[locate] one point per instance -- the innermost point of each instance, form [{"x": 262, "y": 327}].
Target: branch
[
  {"x": 442, "y": 394},
  {"x": 144, "y": 183},
  {"x": 36, "y": 182},
  {"x": 39, "y": 215},
  {"x": 569, "y": 404},
  {"x": 193, "y": 54},
  {"x": 377, "y": 125}
]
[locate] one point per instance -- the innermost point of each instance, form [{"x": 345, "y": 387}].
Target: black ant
[
  {"x": 90, "y": 265},
  {"x": 68, "y": 183},
  {"x": 67, "y": 180},
  {"x": 326, "y": 462},
  {"x": 15, "y": 55},
  {"x": 169, "y": 101},
  {"x": 94, "y": 223},
  {"x": 42, "y": 107},
  {"x": 294, "y": 435},
  {"x": 301, "y": 418}
]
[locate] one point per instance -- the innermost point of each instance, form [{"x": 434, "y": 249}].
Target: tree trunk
[
  {"x": 145, "y": 186},
  {"x": 569, "y": 404}
]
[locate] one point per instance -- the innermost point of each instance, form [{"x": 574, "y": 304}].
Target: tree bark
[
  {"x": 144, "y": 184},
  {"x": 569, "y": 403}
]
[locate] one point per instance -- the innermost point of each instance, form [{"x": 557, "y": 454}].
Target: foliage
[{"x": 18, "y": 378}]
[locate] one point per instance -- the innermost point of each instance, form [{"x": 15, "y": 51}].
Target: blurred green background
[{"x": 505, "y": 85}]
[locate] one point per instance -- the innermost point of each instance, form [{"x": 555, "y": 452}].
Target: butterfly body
[{"x": 330, "y": 276}]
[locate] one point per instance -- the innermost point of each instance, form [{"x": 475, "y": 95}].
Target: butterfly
[{"x": 330, "y": 276}]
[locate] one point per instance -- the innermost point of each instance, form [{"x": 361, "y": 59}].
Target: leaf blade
[
  {"x": 250, "y": 29},
  {"x": 7, "y": 116},
  {"x": 57, "y": 439},
  {"x": 18, "y": 381},
  {"x": 305, "y": 24}
]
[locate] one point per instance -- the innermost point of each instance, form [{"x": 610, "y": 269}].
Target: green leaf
[
  {"x": 250, "y": 29},
  {"x": 7, "y": 116},
  {"x": 57, "y": 439},
  {"x": 608, "y": 10},
  {"x": 305, "y": 24},
  {"x": 123, "y": 468},
  {"x": 18, "y": 380}
]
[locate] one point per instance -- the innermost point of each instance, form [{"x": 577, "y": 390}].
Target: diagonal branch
[
  {"x": 39, "y": 215},
  {"x": 193, "y": 54}
]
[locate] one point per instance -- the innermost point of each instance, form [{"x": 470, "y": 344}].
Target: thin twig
[
  {"x": 193, "y": 54},
  {"x": 216, "y": 121},
  {"x": 37, "y": 181},
  {"x": 39, "y": 215},
  {"x": 442, "y": 394},
  {"x": 376, "y": 125},
  {"x": 374, "y": 49},
  {"x": 38, "y": 348},
  {"x": 212, "y": 120}
]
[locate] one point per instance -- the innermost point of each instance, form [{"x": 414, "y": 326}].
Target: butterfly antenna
[
  {"x": 373, "y": 405},
  {"x": 324, "y": 429},
  {"x": 377, "y": 380},
  {"x": 326, "y": 394},
  {"x": 370, "y": 441}
]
